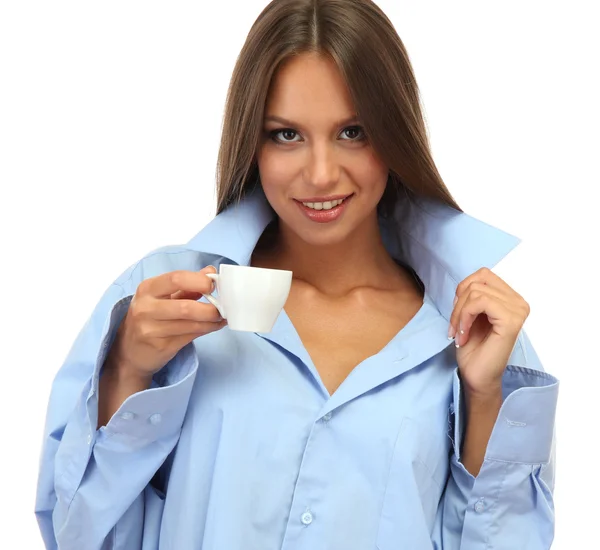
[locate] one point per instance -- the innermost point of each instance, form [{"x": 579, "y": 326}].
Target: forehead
[{"x": 308, "y": 87}]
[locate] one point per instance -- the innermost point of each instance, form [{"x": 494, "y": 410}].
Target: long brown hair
[{"x": 363, "y": 43}]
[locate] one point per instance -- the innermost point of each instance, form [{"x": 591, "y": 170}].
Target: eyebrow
[{"x": 281, "y": 120}]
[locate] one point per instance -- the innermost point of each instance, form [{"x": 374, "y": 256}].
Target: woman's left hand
[{"x": 487, "y": 318}]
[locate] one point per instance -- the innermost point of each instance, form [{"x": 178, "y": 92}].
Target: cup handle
[{"x": 214, "y": 301}]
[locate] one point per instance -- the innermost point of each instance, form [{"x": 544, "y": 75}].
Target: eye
[
  {"x": 352, "y": 131},
  {"x": 288, "y": 134}
]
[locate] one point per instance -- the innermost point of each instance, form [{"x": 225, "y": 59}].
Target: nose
[{"x": 322, "y": 170}]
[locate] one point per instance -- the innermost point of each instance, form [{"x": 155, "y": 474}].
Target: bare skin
[
  {"x": 361, "y": 321},
  {"x": 360, "y": 325},
  {"x": 346, "y": 288},
  {"x": 313, "y": 148}
]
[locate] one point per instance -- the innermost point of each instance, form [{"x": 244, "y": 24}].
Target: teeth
[{"x": 323, "y": 205}]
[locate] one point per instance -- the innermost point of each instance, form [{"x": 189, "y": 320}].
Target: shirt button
[
  {"x": 479, "y": 506},
  {"x": 327, "y": 417},
  {"x": 127, "y": 415},
  {"x": 155, "y": 419},
  {"x": 89, "y": 439},
  {"x": 306, "y": 518}
]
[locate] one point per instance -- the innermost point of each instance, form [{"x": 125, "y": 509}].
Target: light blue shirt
[{"x": 239, "y": 446}]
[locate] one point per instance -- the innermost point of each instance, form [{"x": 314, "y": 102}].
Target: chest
[
  {"x": 255, "y": 432},
  {"x": 340, "y": 335}
]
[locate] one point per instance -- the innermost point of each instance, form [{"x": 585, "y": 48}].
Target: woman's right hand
[{"x": 162, "y": 318}]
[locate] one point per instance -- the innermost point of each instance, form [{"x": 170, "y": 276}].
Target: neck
[{"x": 361, "y": 260}]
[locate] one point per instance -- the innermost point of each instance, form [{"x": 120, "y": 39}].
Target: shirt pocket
[{"x": 417, "y": 476}]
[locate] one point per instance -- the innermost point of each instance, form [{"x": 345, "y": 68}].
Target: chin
[{"x": 321, "y": 238}]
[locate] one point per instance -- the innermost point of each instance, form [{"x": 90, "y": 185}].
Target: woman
[{"x": 356, "y": 423}]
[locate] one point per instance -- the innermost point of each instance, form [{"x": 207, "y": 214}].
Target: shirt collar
[{"x": 440, "y": 243}]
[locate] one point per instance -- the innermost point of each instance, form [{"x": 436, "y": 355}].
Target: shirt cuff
[
  {"x": 151, "y": 414},
  {"x": 524, "y": 429}
]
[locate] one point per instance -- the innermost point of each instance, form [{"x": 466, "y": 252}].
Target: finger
[
  {"x": 484, "y": 276},
  {"x": 168, "y": 329},
  {"x": 185, "y": 310},
  {"x": 484, "y": 304},
  {"x": 186, "y": 295},
  {"x": 474, "y": 290},
  {"x": 178, "y": 342},
  {"x": 167, "y": 284}
]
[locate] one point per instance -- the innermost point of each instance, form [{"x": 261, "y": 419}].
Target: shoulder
[{"x": 164, "y": 260}]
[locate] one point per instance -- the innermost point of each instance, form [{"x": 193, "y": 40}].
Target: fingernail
[
  {"x": 460, "y": 333},
  {"x": 455, "y": 300},
  {"x": 213, "y": 284},
  {"x": 450, "y": 332}
]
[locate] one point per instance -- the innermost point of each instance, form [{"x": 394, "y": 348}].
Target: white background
[{"x": 110, "y": 114}]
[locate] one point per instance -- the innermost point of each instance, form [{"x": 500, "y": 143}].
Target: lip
[
  {"x": 324, "y": 199},
  {"x": 325, "y": 216}
]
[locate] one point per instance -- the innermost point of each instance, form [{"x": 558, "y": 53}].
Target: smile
[
  {"x": 325, "y": 212},
  {"x": 324, "y": 205}
]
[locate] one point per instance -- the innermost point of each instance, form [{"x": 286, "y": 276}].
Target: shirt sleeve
[
  {"x": 94, "y": 482},
  {"x": 510, "y": 502}
]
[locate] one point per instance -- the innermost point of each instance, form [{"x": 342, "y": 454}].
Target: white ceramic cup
[{"x": 250, "y": 298}]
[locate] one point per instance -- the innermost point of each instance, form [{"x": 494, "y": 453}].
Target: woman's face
[{"x": 313, "y": 150}]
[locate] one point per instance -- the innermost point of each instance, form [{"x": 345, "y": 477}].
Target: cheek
[
  {"x": 276, "y": 171},
  {"x": 369, "y": 173}
]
